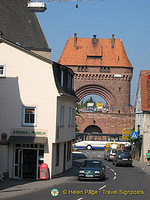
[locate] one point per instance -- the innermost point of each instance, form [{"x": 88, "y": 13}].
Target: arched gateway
[{"x": 101, "y": 67}]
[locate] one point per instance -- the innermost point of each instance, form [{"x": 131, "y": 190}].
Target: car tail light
[
  {"x": 111, "y": 154},
  {"x": 117, "y": 158}
]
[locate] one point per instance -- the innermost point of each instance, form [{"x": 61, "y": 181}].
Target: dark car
[
  {"x": 92, "y": 169},
  {"x": 122, "y": 158}
]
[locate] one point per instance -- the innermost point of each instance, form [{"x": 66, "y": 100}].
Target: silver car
[{"x": 109, "y": 155}]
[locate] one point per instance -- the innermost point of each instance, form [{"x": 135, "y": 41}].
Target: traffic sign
[
  {"x": 125, "y": 134},
  {"x": 134, "y": 135}
]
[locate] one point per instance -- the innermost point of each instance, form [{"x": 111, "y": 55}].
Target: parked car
[
  {"x": 92, "y": 169},
  {"x": 109, "y": 155},
  {"x": 122, "y": 158}
]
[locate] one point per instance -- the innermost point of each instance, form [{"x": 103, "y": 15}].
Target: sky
[{"x": 129, "y": 20}]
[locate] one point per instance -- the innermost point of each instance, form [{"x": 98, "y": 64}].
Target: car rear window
[
  {"x": 92, "y": 163},
  {"x": 114, "y": 151},
  {"x": 124, "y": 155}
]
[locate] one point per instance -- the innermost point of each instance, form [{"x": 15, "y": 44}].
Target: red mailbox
[{"x": 43, "y": 171}]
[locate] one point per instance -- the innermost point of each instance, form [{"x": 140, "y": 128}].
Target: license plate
[
  {"x": 88, "y": 175},
  {"x": 124, "y": 159}
]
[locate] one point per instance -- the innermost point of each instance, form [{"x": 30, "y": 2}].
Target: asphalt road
[{"x": 121, "y": 183}]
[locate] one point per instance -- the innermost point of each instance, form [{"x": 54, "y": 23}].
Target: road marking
[
  {"x": 107, "y": 167},
  {"x": 115, "y": 174},
  {"x": 102, "y": 187},
  {"x": 112, "y": 170},
  {"x": 80, "y": 199},
  {"x": 146, "y": 171}
]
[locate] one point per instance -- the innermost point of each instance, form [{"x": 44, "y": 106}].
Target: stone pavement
[
  {"x": 10, "y": 188},
  {"x": 142, "y": 165}
]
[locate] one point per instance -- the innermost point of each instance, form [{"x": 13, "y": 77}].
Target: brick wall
[{"x": 108, "y": 123}]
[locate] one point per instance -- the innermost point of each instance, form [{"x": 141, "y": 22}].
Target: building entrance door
[{"x": 29, "y": 163}]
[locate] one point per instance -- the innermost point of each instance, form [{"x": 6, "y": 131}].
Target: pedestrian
[{"x": 148, "y": 157}]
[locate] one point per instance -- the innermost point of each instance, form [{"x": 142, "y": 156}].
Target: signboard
[
  {"x": 125, "y": 134},
  {"x": 134, "y": 135},
  {"x": 29, "y": 132},
  {"x": 44, "y": 171}
]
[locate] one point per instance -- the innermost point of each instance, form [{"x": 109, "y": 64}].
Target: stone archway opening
[
  {"x": 93, "y": 103},
  {"x": 93, "y": 129},
  {"x": 97, "y": 90}
]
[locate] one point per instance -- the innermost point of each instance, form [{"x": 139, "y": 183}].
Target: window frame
[
  {"x": 69, "y": 120},
  {"x": 62, "y": 78},
  {"x": 73, "y": 114},
  {"x": 35, "y": 116},
  {"x": 62, "y": 115}
]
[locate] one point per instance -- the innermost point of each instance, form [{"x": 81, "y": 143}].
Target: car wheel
[{"x": 89, "y": 147}]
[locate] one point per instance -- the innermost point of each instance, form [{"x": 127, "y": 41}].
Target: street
[{"x": 129, "y": 183}]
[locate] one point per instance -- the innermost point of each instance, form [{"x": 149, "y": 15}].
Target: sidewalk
[
  {"x": 10, "y": 188},
  {"x": 142, "y": 165}
]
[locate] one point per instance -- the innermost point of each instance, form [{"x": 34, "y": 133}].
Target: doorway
[{"x": 29, "y": 163}]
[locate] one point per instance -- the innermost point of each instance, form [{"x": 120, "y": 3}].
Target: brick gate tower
[{"x": 101, "y": 67}]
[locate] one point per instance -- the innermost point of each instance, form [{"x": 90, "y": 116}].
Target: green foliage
[{"x": 139, "y": 140}]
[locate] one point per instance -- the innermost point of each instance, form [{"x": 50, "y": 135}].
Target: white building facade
[
  {"x": 37, "y": 118},
  {"x": 142, "y": 109}
]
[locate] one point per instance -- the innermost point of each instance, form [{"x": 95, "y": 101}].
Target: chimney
[
  {"x": 94, "y": 40},
  {"x": 75, "y": 39},
  {"x": 113, "y": 40}
]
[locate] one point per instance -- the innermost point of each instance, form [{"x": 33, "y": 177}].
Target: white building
[
  {"x": 142, "y": 122},
  {"x": 37, "y": 118}
]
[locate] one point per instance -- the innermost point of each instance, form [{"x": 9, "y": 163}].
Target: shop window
[
  {"x": 18, "y": 145},
  {"x": 29, "y": 116},
  {"x": 2, "y": 71},
  {"x": 79, "y": 68},
  {"x": 41, "y": 146}
]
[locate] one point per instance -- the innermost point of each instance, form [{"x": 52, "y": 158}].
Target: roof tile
[{"x": 99, "y": 53}]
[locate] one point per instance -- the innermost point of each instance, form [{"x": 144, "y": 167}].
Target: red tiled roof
[
  {"x": 99, "y": 54},
  {"x": 145, "y": 90}
]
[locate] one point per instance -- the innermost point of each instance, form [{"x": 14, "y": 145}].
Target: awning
[{"x": 27, "y": 139}]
